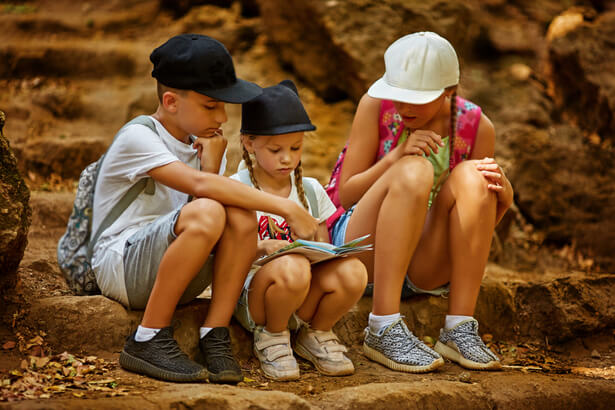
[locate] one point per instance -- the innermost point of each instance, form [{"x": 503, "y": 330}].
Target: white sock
[
  {"x": 203, "y": 331},
  {"x": 453, "y": 320},
  {"x": 377, "y": 323},
  {"x": 145, "y": 334}
]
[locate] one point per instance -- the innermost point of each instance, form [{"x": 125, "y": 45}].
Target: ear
[
  {"x": 169, "y": 101},
  {"x": 248, "y": 143}
]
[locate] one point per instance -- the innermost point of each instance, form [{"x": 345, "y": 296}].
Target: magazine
[{"x": 317, "y": 251}]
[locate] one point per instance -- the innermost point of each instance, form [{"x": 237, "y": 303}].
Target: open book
[{"x": 317, "y": 251}]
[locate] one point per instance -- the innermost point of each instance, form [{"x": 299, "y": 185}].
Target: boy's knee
[
  {"x": 202, "y": 216},
  {"x": 242, "y": 220},
  {"x": 293, "y": 273},
  {"x": 352, "y": 275},
  {"x": 412, "y": 175}
]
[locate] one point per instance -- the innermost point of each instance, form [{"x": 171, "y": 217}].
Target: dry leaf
[{"x": 9, "y": 345}]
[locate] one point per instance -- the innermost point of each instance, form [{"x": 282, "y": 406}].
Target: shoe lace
[
  {"x": 171, "y": 347},
  {"x": 219, "y": 348}
]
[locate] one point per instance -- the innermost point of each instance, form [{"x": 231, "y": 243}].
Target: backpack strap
[
  {"x": 310, "y": 194},
  {"x": 308, "y": 188},
  {"x": 144, "y": 184}
]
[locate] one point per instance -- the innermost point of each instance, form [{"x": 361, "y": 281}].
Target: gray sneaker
[
  {"x": 463, "y": 345},
  {"x": 398, "y": 349}
]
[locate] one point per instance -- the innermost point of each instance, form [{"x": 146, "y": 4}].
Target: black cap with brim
[
  {"x": 278, "y": 110},
  {"x": 240, "y": 92}
]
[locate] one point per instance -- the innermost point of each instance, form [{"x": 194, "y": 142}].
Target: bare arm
[
  {"x": 484, "y": 149},
  {"x": 181, "y": 177},
  {"x": 359, "y": 171}
]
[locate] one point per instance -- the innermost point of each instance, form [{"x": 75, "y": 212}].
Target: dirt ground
[{"x": 77, "y": 71}]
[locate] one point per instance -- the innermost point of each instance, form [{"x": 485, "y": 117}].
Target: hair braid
[
  {"x": 299, "y": 185},
  {"x": 453, "y": 126},
  {"x": 248, "y": 161}
]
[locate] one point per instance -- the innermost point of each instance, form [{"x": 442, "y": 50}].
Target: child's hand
[
  {"x": 422, "y": 142},
  {"x": 304, "y": 226},
  {"x": 496, "y": 180},
  {"x": 210, "y": 151},
  {"x": 269, "y": 246}
]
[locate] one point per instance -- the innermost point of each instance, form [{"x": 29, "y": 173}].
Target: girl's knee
[
  {"x": 293, "y": 272},
  {"x": 202, "y": 217},
  {"x": 412, "y": 175},
  {"x": 352, "y": 275},
  {"x": 472, "y": 183}
]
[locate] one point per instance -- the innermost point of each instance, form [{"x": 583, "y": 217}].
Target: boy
[{"x": 158, "y": 253}]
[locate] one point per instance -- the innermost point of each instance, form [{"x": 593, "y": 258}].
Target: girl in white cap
[
  {"x": 418, "y": 175},
  {"x": 288, "y": 291}
]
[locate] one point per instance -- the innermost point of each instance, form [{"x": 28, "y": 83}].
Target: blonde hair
[{"x": 298, "y": 171}]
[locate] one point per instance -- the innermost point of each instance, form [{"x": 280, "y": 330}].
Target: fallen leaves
[
  {"x": 9, "y": 345},
  {"x": 597, "y": 372},
  {"x": 46, "y": 376}
]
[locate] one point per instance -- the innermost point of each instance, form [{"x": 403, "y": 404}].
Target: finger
[
  {"x": 433, "y": 143},
  {"x": 492, "y": 175},
  {"x": 495, "y": 188},
  {"x": 488, "y": 167}
]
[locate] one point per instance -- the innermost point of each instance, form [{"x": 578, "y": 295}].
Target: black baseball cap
[
  {"x": 202, "y": 64},
  {"x": 278, "y": 110}
]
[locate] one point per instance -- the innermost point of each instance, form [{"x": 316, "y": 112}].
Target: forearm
[
  {"x": 353, "y": 189},
  {"x": 233, "y": 193}
]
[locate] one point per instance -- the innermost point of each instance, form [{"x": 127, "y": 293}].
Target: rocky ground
[{"x": 72, "y": 73}]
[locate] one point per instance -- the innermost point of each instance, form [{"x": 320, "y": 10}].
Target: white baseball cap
[{"x": 419, "y": 67}]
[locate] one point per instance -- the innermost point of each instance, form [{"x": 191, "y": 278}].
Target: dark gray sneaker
[
  {"x": 398, "y": 349},
  {"x": 463, "y": 345},
  {"x": 161, "y": 358},
  {"x": 218, "y": 357}
]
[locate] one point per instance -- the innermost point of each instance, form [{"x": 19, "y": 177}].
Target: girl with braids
[
  {"x": 288, "y": 291},
  {"x": 418, "y": 175}
]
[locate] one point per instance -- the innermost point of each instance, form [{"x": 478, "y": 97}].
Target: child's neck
[
  {"x": 440, "y": 123},
  {"x": 276, "y": 186},
  {"x": 170, "y": 125}
]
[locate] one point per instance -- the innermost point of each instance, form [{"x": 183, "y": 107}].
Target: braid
[
  {"x": 453, "y": 126},
  {"x": 299, "y": 185},
  {"x": 248, "y": 161}
]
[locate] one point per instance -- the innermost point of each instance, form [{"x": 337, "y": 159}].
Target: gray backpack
[{"x": 75, "y": 246}]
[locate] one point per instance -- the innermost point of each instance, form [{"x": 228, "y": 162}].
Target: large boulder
[
  {"x": 581, "y": 63},
  {"x": 15, "y": 212},
  {"x": 338, "y": 46}
]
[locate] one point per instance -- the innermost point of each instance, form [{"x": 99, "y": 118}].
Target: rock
[
  {"x": 340, "y": 52},
  {"x": 595, "y": 354},
  {"x": 565, "y": 187},
  {"x": 65, "y": 157},
  {"x": 465, "y": 377},
  {"x": 581, "y": 67},
  {"x": 15, "y": 212}
]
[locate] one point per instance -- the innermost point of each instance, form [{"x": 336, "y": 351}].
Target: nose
[
  {"x": 285, "y": 157},
  {"x": 221, "y": 116}
]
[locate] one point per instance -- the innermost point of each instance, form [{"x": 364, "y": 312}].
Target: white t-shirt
[
  {"x": 284, "y": 232},
  {"x": 136, "y": 151}
]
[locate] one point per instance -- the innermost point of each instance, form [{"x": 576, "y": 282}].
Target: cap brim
[
  {"x": 280, "y": 129},
  {"x": 240, "y": 92},
  {"x": 381, "y": 90}
]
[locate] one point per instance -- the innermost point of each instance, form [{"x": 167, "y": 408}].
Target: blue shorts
[
  {"x": 338, "y": 233},
  {"x": 143, "y": 252}
]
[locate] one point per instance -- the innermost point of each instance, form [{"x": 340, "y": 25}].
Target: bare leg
[
  {"x": 199, "y": 226},
  {"x": 336, "y": 286},
  {"x": 234, "y": 255},
  {"x": 277, "y": 290},
  {"x": 455, "y": 243},
  {"x": 393, "y": 211}
]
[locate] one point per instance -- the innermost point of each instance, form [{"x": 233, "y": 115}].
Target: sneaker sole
[
  {"x": 454, "y": 356},
  {"x": 136, "y": 365},
  {"x": 304, "y": 353},
  {"x": 376, "y": 356},
  {"x": 225, "y": 377}
]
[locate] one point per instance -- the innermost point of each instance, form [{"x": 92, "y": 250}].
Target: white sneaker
[
  {"x": 324, "y": 350},
  {"x": 275, "y": 354}
]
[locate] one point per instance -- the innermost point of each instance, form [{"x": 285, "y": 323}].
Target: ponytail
[
  {"x": 299, "y": 185},
  {"x": 453, "y": 127}
]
